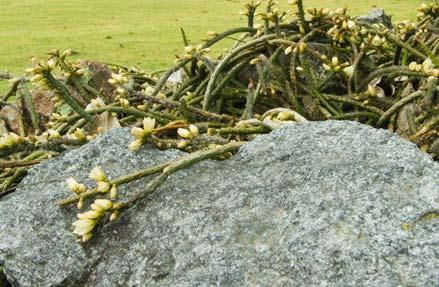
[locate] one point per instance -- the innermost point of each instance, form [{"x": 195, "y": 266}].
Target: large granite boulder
[{"x": 320, "y": 204}]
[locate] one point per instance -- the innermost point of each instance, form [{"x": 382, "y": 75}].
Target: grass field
[{"x": 143, "y": 33}]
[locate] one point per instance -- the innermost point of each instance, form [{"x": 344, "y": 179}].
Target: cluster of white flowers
[
  {"x": 298, "y": 48},
  {"x": 335, "y": 66},
  {"x": 118, "y": 79},
  {"x": 141, "y": 134},
  {"x": 431, "y": 9},
  {"x": 187, "y": 135},
  {"x": 427, "y": 67},
  {"x": 87, "y": 221}
]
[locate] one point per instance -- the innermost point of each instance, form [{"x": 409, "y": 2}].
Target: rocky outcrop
[{"x": 320, "y": 204}]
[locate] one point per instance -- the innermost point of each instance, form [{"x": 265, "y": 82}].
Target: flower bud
[
  {"x": 80, "y": 203},
  {"x": 135, "y": 145},
  {"x": 103, "y": 186},
  {"x": 115, "y": 215},
  {"x": 92, "y": 214},
  {"x": 83, "y": 226},
  {"x": 138, "y": 133},
  {"x": 194, "y": 130},
  {"x": 117, "y": 205},
  {"x": 113, "y": 191},
  {"x": 184, "y": 133},
  {"x": 97, "y": 174},
  {"x": 104, "y": 204},
  {"x": 86, "y": 237}
]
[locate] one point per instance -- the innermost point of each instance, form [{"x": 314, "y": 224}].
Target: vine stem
[
  {"x": 384, "y": 117},
  {"x": 166, "y": 169},
  {"x": 175, "y": 166}
]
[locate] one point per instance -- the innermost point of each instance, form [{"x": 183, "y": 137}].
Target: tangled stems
[
  {"x": 183, "y": 63},
  {"x": 208, "y": 94},
  {"x": 65, "y": 94}
]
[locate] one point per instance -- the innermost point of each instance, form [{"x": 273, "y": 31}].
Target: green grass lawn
[{"x": 143, "y": 33}]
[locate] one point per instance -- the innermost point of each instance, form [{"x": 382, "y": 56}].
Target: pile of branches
[{"x": 283, "y": 67}]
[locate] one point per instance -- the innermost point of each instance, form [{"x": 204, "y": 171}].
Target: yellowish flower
[
  {"x": 74, "y": 186},
  {"x": 194, "y": 130},
  {"x": 83, "y": 226},
  {"x": 103, "y": 186},
  {"x": 80, "y": 203},
  {"x": 115, "y": 215},
  {"x": 92, "y": 214},
  {"x": 349, "y": 70},
  {"x": 113, "y": 192},
  {"x": 87, "y": 237},
  {"x": 148, "y": 125},
  {"x": 97, "y": 174},
  {"x": 79, "y": 135},
  {"x": 95, "y": 207},
  {"x": 135, "y": 145},
  {"x": 288, "y": 50},
  {"x": 184, "y": 133},
  {"x": 182, "y": 144},
  {"x": 104, "y": 204},
  {"x": 138, "y": 133}
]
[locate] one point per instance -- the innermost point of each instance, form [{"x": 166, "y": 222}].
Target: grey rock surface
[
  {"x": 376, "y": 16},
  {"x": 321, "y": 204}
]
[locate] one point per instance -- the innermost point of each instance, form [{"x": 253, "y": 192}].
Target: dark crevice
[{"x": 3, "y": 280}]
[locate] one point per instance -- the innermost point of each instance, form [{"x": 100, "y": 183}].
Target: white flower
[
  {"x": 327, "y": 67},
  {"x": 83, "y": 226},
  {"x": 149, "y": 90},
  {"x": 189, "y": 49},
  {"x": 97, "y": 174},
  {"x": 427, "y": 65},
  {"x": 72, "y": 183},
  {"x": 124, "y": 102},
  {"x": 138, "y": 133},
  {"x": 148, "y": 125},
  {"x": 51, "y": 63},
  {"x": 194, "y": 130},
  {"x": 351, "y": 24},
  {"x": 377, "y": 41},
  {"x": 74, "y": 186},
  {"x": 184, "y": 133},
  {"x": 349, "y": 70},
  {"x": 94, "y": 104}
]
